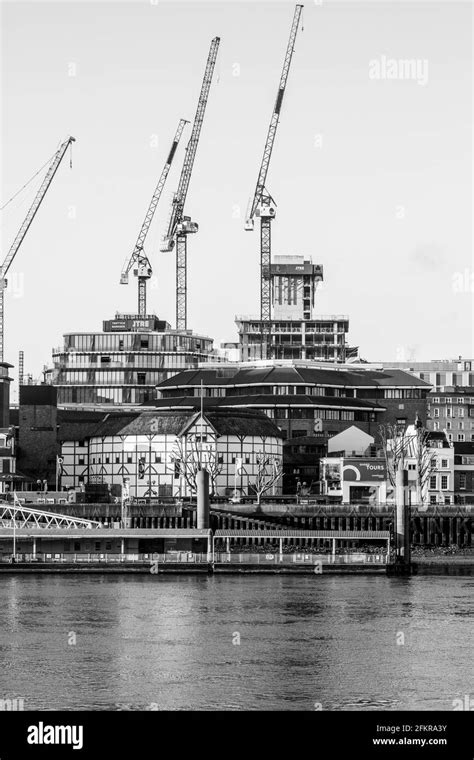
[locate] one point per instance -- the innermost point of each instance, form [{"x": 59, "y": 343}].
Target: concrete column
[
  {"x": 402, "y": 521},
  {"x": 227, "y": 545},
  {"x": 333, "y": 549},
  {"x": 281, "y": 548},
  {"x": 122, "y": 546},
  {"x": 34, "y": 548},
  {"x": 202, "y": 487}
]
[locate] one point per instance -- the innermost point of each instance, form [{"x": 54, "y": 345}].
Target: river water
[{"x": 172, "y": 642}]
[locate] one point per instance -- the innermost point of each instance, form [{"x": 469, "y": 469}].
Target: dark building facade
[{"x": 37, "y": 432}]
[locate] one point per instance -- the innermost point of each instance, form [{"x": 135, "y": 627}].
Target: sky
[{"x": 371, "y": 168}]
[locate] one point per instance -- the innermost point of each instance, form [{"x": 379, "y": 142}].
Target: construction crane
[
  {"x": 181, "y": 226},
  {"x": 138, "y": 257},
  {"x": 53, "y": 167},
  {"x": 263, "y": 205}
]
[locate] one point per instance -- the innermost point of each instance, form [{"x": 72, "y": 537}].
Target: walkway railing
[
  {"x": 300, "y": 559},
  {"x": 191, "y": 558},
  {"x": 107, "y": 558}
]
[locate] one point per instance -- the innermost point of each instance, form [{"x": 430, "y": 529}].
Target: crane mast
[
  {"x": 143, "y": 270},
  {"x": 262, "y": 204},
  {"x": 181, "y": 226},
  {"x": 53, "y": 167}
]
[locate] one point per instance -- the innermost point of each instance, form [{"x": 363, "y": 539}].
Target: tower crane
[
  {"x": 181, "y": 226},
  {"x": 263, "y": 205},
  {"x": 53, "y": 167},
  {"x": 138, "y": 257}
]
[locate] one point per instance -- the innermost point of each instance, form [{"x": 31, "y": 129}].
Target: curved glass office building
[{"x": 123, "y": 364}]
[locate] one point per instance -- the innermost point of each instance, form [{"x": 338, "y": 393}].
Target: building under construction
[{"x": 294, "y": 331}]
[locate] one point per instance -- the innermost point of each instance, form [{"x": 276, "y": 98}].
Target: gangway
[{"x": 21, "y": 516}]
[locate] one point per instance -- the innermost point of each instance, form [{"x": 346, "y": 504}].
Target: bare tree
[
  {"x": 269, "y": 471},
  {"x": 188, "y": 455},
  {"x": 398, "y": 445},
  {"x": 395, "y": 445},
  {"x": 424, "y": 462}
]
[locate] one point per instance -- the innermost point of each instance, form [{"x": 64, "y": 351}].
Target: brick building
[{"x": 452, "y": 411}]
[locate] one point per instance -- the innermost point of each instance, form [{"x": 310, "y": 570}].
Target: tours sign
[{"x": 365, "y": 470}]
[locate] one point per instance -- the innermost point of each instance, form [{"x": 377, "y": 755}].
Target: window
[
  {"x": 412, "y": 466},
  {"x": 298, "y": 433},
  {"x": 444, "y": 482},
  {"x": 449, "y": 412},
  {"x": 97, "y": 545},
  {"x": 117, "y": 459},
  {"x": 448, "y": 425},
  {"x": 108, "y": 546},
  {"x": 460, "y": 401},
  {"x": 157, "y": 458},
  {"x": 129, "y": 459},
  {"x": 461, "y": 426},
  {"x": 436, "y": 426},
  {"x": 432, "y": 499},
  {"x": 447, "y": 499},
  {"x": 461, "y": 437},
  {"x": 220, "y": 459},
  {"x": 436, "y": 412},
  {"x": 450, "y": 437},
  {"x": 449, "y": 400},
  {"x": 107, "y": 460},
  {"x": 444, "y": 464},
  {"x": 461, "y": 412},
  {"x": 436, "y": 401},
  {"x": 247, "y": 459},
  {"x": 462, "y": 481},
  {"x": 77, "y": 546},
  {"x": 433, "y": 482},
  {"x": 233, "y": 458},
  {"x": 81, "y": 461}
]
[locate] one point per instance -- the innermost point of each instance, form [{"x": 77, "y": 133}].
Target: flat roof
[
  {"x": 91, "y": 533},
  {"x": 346, "y": 534}
]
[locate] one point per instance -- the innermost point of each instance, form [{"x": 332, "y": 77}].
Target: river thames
[{"x": 235, "y": 642}]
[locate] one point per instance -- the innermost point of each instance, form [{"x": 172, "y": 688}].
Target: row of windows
[
  {"x": 127, "y": 360},
  {"x": 450, "y": 412},
  {"x": 258, "y": 390},
  {"x": 101, "y": 395},
  {"x": 247, "y": 458},
  {"x": 448, "y": 378},
  {"x": 313, "y": 414},
  {"x": 443, "y": 480},
  {"x": 100, "y": 377},
  {"x": 297, "y": 327},
  {"x": 402, "y": 393},
  {"x": 451, "y": 400},
  {"x": 124, "y": 342}
]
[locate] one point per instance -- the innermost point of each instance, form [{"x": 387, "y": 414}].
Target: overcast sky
[{"x": 372, "y": 176}]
